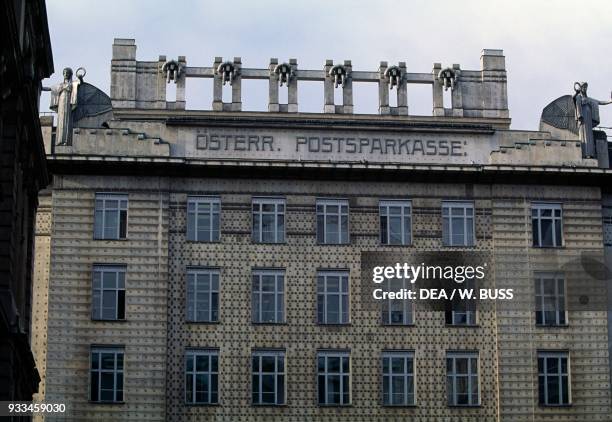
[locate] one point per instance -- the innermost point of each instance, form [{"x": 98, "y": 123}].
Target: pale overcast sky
[{"x": 548, "y": 44}]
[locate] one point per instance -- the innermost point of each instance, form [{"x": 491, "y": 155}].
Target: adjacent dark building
[{"x": 25, "y": 59}]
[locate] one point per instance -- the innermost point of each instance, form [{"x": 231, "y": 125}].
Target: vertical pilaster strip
[
  {"x": 217, "y": 104},
  {"x": 236, "y": 86},
  {"x": 273, "y": 87},
  {"x": 292, "y": 88},
  {"x": 180, "y": 85},
  {"x": 383, "y": 90},
  {"x": 438, "y": 96},
  {"x": 402, "y": 92},
  {"x": 328, "y": 88}
]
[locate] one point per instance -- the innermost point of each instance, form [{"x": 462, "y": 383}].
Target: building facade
[
  {"x": 216, "y": 265},
  {"x": 25, "y": 59}
]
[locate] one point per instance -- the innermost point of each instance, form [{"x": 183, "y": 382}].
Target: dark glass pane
[
  {"x": 108, "y": 360},
  {"x": 107, "y": 395},
  {"x": 345, "y": 365},
  {"x": 333, "y": 364},
  {"x": 321, "y": 389},
  {"x": 547, "y": 229},
  {"x": 107, "y": 381},
  {"x": 255, "y": 384},
  {"x": 383, "y": 230},
  {"x": 123, "y": 224},
  {"x": 281, "y": 389},
  {"x": 541, "y": 386},
  {"x": 202, "y": 363},
  {"x": 188, "y": 388},
  {"x": 553, "y": 390},
  {"x": 216, "y": 228},
  {"x": 120, "y": 383},
  {"x": 320, "y": 229},
  {"x": 268, "y": 363},
  {"x": 386, "y": 393},
  {"x": 95, "y": 359},
  {"x": 256, "y": 237},
  {"x": 535, "y": 233},
  {"x": 321, "y": 364},
  {"x": 121, "y": 304},
  {"x": 267, "y": 384},
  {"x": 94, "y": 386},
  {"x": 214, "y": 388},
  {"x": 558, "y": 235}
]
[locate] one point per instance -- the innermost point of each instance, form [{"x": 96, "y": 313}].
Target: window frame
[
  {"x": 210, "y": 200},
  {"x": 560, "y": 299},
  {"x": 108, "y": 268},
  {"x": 194, "y": 354},
  {"x": 403, "y": 204},
  {"x": 554, "y": 354},
  {"x": 116, "y": 351},
  {"x": 405, "y": 375},
  {"x": 276, "y": 353},
  {"x": 407, "y": 305},
  {"x": 340, "y": 354},
  {"x": 121, "y": 210},
  {"x": 553, "y": 206},
  {"x": 341, "y": 295},
  {"x": 470, "y": 311},
  {"x": 469, "y": 355},
  {"x": 198, "y": 271},
  {"x": 463, "y": 205},
  {"x": 256, "y": 315},
  {"x": 259, "y": 214},
  {"x": 322, "y": 238}
]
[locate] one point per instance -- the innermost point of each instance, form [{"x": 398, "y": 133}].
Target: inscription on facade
[
  {"x": 328, "y": 144},
  {"x": 336, "y": 145}
]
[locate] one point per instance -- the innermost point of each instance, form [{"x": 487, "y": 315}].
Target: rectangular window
[
  {"x": 398, "y": 378},
  {"x": 553, "y": 379},
  {"x": 268, "y": 377},
  {"x": 462, "y": 379},
  {"x": 110, "y": 216},
  {"x": 546, "y": 223},
  {"x": 106, "y": 374},
  {"x": 202, "y": 295},
  {"x": 334, "y": 378},
  {"x": 463, "y": 311},
  {"x": 268, "y": 220},
  {"x": 397, "y": 311},
  {"x": 332, "y": 297},
  {"x": 332, "y": 221},
  {"x": 550, "y": 299},
  {"x": 458, "y": 223},
  {"x": 203, "y": 216},
  {"x": 395, "y": 222},
  {"x": 268, "y": 296},
  {"x": 202, "y": 376},
  {"x": 108, "y": 292}
]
